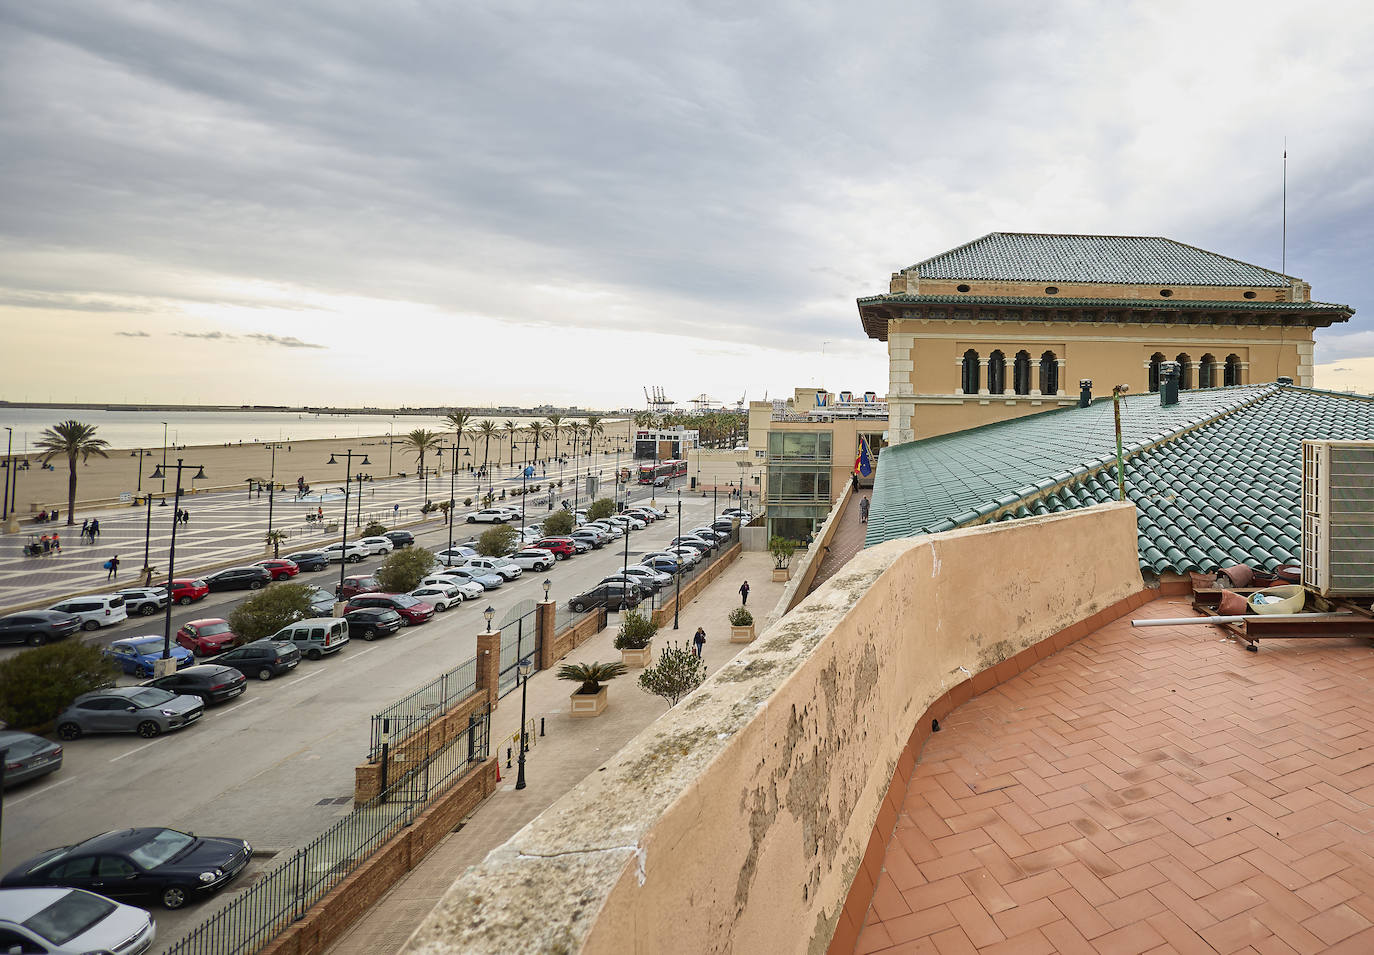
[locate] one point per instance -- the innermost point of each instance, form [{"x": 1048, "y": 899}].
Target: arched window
[
  {"x": 1207, "y": 371},
  {"x": 1185, "y": 371},
  {"x": 1021, "y": 373},
  {"x": 971, "y": 372},
  {"x": 1155, "y": 361},
  {"x": 997, "y": 373},
  {"x": 1049, "y": 374},
  {"x": 1232, "y": 370}
]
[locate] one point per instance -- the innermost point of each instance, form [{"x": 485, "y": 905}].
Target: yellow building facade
[{"x": 1009, "y": 324}]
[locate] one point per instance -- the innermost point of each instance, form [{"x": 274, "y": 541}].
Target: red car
[
  {"x": 359, "y": 584},
  {"x": 188, "y": 591},
  {"x": 411, "y": 609},
  {"x": 207, "y": 637},
  {"x": 562, "y": 547},
  {"x": 279, "y": 568}
]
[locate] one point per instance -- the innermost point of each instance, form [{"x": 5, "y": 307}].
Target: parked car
[
  {"x": 400, "y": 538},
  {"x": 739, "y": 514},
  {"x": 563, "y": 547},
  {"x": 212, "y": 682},
  {"x": 690, "y": 556},
  {"x": 309, "y": 560},
  {"x": 662, "y": 563},
  {"x": 207, "y": 637},
  {"x": 411, "y": 609},
  {"x": 357, "y": 584},
  {"x": 456, "y": 556},
  {"x": 645, "y": 588},
  {"x": 28, "y": 757},
  {"x": 614, "y": 532},
  {"x": 644, "y": 513},
  {"x": 61, "y": 921},
  {"x": 35, "y": 627},
  {"x": 627, "y": 520},
  {"x": 696, "y": 543},
  {"x": 281, "y": 568},
  {"x": 507, "y": 568},
  {"x": 710, "y": 534},
  {"x": 352, "y": 552},
  {"x": 377, "y": 545},
  {"x": 485, "y": 580},
  {"x": 315, "y": 638},
  {"x": 136, "y": 655},
  {"x": 725, "y": 525},
  {"x": 145, "y": 710},
  {"x": 494, "y": 515},
  {"x": 533, "y": 558},
  {"x": 102, "y": 610},
  {"x": 144, "y": 601},
  {"x": 372, "y": 622},
  {"x": 321, "y": 602},
  {"x": 470, "y": 589},
  {"x": 186, "y": 592},
  {"x": 438, "y": 596},
  {"x": 614, "y": 596},
  {"x": 239, "y": 578},
  {"x": 263, "y": 659},
  {"x": 150, "y": 863},
  {"x": 589, "y": 537},
  {"x": 662, "y": 578}
]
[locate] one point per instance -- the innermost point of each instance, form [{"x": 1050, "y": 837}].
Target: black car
[
  {"x": 35, "y": 627},
  {"x": 164, "y": 864},
  {"x": 321, "y": 602},
  {"x": 646, "y": 587},
  {"x": 212, "y": 682},
  {"x": 28, "y": 756},
  {"x": 612, "y": 596},
  {"x": 239, "y": 578},
  {"x": 263, "y": 659},
  {"x": 372, "y": 622},
  {"x": 400, "y": 538},
  {"x": 310, "y": 560}
]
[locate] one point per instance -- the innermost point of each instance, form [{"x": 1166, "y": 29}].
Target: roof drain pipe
[
  {"x": 1168, "y": 383},
  {"x": 1085, "y": 392}
]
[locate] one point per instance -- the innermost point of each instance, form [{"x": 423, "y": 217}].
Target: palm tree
[
  {"x": 73, "y": 439},
  {"x": 591, "y": 675},
  {"x": 555, "y": 422},
  {"x": 538, "y": 433},
  {"x": 576, "y": 430},
  {"x": 458, "y": 421},
  {"x": 485, "y": 429},
  {"x": 594, "y": 429},
  {"x": 510, "y": 429},
  {"x": 421, "y": 442}
]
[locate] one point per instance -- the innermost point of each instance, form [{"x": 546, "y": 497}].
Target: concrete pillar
[
  {"x": 1194, "y": 374},
  {"x": 489, "y": 665},
  {"x": 982, "y": 376},
  {"x": 1063, "y": 362},
  {"x": 1244, "y": 373},
  {"x": 959, "y": 376},
  {"x": 1035, "y": 376},
  {"x": 545, "y": 613}
]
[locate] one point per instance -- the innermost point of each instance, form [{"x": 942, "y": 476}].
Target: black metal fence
[
  {"x": 519, "y": 639},
  {"x": 281, "y": 896},
  {"x": 411, "y": 714}
]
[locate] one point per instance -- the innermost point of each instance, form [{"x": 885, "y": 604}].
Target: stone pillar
[
  {"x": 1194, "y": 374},
  {"x": 959, "y": 380},
  {"x": 544, "y": 617},
  {"x": 489, "y": 665},
  {"x": 982, "y": 376},
  {"x": 1244, "y": 373},
  {"x": 1035, "y": 376},
  {"x": 1063, "y": 362},
  {"x": 1305, "y": 362}
]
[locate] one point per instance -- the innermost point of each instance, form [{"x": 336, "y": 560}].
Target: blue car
[
  {"x": 135, "y": 655},
  {"x": 664, "y": 565}
]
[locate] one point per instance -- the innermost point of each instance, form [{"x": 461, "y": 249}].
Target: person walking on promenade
[
  {"x": 95, "y": 528},
  {"x": 863, "y": 510},
  {"x": 85, "y": 528},
  {"x": 699, "y": 641},
  {"x": 112, "y": 565},
  {"x": 45, "y": 542},
  {"x": 56, "y": 543},
  {"x": 744, "y": 594}
]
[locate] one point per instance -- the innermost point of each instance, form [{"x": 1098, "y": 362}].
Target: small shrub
[
  {"x": 591, "y": 675},
  {"x": 678, "y": 672},
  {"x": 496, "y": 541},
  {"x": 782, "y": 550},
  {"x": 269, "y": 610},
  {"x": 487, "y": 499},
  {"x": 602, "y": 507},
  {"x": 636, "y": 630},
  {"x": 274, "y": 540},
  {"x": 467, "y": 502},
  {"x": 38, "y": 684},
  {"x": 741, "y": 617},
  {"x": 558, "y": 524},
  {"x": 403, "y": 569},
  {"x": 374, "y": 529}
]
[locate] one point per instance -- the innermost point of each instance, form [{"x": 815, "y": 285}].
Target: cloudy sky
[{"x": 435, "y": 203}]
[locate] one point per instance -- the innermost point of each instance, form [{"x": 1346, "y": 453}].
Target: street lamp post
[
  {"x": 348, "y": 479},
  {"x": 677, "y": 578},
  {"x": 147, "y": 536},
  {"x": 524, "y": 690},
  {"x": 452, "y": 499},
  {"x": 164, "y": 473},
  {"x": 9, "y": 466},
  {"x": 272, "y": 491},
  {"x": 164, "y": 666}
]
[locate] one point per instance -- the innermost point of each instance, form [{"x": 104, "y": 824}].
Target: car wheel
[
  {"x": 559, "y": 556},
  {"x": 356, "y": 558},
  {"x": 255, "y": 585},
  {"x": 68, "y": 731},
  {"x": 282, "y": 576},
  {"x": 184, "y": 601},
  {"x": 173, "y": 897},
  {"x": 369, "y": 634},
  {"x": 35, "y": 640},
  {"x": 265, "y": 673},
  {"x": 148, "y": 729},
  {"x": 577, "y": 606},
  {"x": 405, "y": 622},
  {"x": 440, "y": 607},
  {"x": 314, "y": 655},
  {"x": 148, "y": 610},
  {"x": 472, "y": 520}
]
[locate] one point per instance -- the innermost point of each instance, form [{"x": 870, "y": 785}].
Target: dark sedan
[
  {"x": 28, "y": 756},
  {"x": 400, "y": 538},
  {"x": 372, "y": 622},
  {"x": 263, "y": 659},
  {"x": 211, "y": 682},
  {"x": 36, "y": 627},
  {"x": 309, "y": 560},
  {"x": 612, "y": 596},
  {"x": 164, "y": 864},
  {"x": 239, "y": 578}
]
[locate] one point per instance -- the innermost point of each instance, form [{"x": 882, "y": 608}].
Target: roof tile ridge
[
  {"x": 1230, "y": 258},
  {"x": 957, "y": 248},
  {"x": 1329, "y": 392}
]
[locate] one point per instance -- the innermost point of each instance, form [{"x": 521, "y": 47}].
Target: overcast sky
[{"x": 441, "y": 203}]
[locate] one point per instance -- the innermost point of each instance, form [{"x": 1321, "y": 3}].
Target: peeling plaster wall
[{"x": 736, "y": 822}]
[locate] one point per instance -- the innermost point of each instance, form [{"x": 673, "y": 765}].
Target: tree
[
  {"x": 576, "y": 430},
  {"x": 421, "y": 442},
  {"x": 538, "y": 433},
  {"x": 555, "y": 424},
  {"x": 595, "y": 429},
  {"x": 487, "y": 429},
  {"x": 374, "y": 529},
  {"x": 782, "y": 550},
  {"x": 38, "y": 684},
  {"x": 267, "y": 611},
  {"x": 274, "y": 540},
  {"x": 678, "y": 672},
  {"x": 403, "y": 569},
  {"x": 591, "y": 675},
  {"x": 496, "y": 541},
  {"x": 636, "y": 630},
  {"x": 601, "y": 507},
  {"x": 72, "y": 439},
  {"x": 445, "y": 507},
  {"x": 511, "y": 429},
  {"x": 558, "y": 524}
]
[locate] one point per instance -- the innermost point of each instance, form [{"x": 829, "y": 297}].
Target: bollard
[
  {"x": 508, "y": 749},
  {"x": 541, "y": 726}
]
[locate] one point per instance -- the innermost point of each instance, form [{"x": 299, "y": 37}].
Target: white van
[
  {"x": 316, "y": 637},
  {"x": 100, "y": 610}
]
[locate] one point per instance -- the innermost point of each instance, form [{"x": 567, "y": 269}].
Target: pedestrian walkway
[
  {"x": 847, "y": 540},
  {"x": 560, "y": 759}
]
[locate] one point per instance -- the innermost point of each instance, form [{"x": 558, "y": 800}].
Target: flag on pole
[{"x": 863, "y": 462}]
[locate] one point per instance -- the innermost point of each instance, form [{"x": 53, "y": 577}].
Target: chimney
[
  {"x": 1085, "y": 392},
  {"x": 1168, "y": 383},
  {"x": 1284, "y": 380}
]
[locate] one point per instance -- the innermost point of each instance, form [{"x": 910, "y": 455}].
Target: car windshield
[
  {"x": 210, "y": 629},
  {"x": 404, "y": 600},
  {"x": 164, "y": 846},
  {"x": 150, "y": 697},
  {"x": 70, "y": 916}
]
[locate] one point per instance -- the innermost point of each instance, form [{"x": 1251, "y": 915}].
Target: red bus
[{"x": 649, "y": 473}]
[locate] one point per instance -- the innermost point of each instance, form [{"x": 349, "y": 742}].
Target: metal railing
[
  {"x": 283, "y": 895},
  {"x": 412, "y": 713},
  {"x": 519, "y": 640}
]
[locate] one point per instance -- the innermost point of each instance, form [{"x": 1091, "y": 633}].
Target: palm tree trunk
[{"x": 71, "y": 490}]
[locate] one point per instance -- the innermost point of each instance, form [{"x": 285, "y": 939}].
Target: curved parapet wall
[{"x": 738, "y": 821}]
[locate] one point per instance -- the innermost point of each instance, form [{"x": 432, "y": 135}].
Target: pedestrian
[
  {"x": 319, "y": 513},
  {"x": 854, "y": 479},
  {"x": 744, "y": 594},
  {"x": 112, "y": 565},
  {"x": 56, "y": 543},
  {"x": 699, "y": 641},
  {"x": 45, "y": 542},
  {"x": 185, "y": 517},
  {"x": 85, "y": 528},
  {"x": 95, "y": 529},
  {"x": 863, "y": 510}
]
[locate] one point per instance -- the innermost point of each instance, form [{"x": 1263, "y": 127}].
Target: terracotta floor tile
[
  {"x": 988, "y": 890},
  {"x": 1129, "y": 940},
  {"x": 1336, "y": 924},
  {"x": 928, "y": 921},
  {"x": 1027, "y": 943},
  {"x": 1037, "y": 887},
  {"x": 975, "y": 921},
  {"x": 1132, "y": 908},
  {"x": 1023, "y": 918},
  {"x": 873, "y": 938},
  {"x": 1178, "y": 935},
  {"x": 1133, "y": 880},
  {"x": 1331, "y": 891},
  {"x": 888, "y": 900},
  {"x": 1066, "y": 939},
  {"x": 1081, "y": 913},
  {"x": 953, "y": 941},
  {"x": 1235, "y": 933}
]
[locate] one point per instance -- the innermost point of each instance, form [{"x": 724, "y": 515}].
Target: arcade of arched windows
[
  {"x": 1002, "y": 372},
  {"x": 1206, "y": 371}
]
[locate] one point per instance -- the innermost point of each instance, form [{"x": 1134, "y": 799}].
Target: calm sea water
[{"x": 143, "y": 429}]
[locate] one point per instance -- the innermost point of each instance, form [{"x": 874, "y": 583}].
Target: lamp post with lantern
[
  {"x": 348, "y": 480},
  {"x": 166, "y": 665}
]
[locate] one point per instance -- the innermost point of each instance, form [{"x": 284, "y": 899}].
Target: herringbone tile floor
[{"x": 1145, "y": 790}]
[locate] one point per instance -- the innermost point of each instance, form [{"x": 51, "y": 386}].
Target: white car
[
  {"x": 440, "y": 596},
  {"x": 606, "y": 528},
  {"x": 468, "y": 589},
  {"x": 658, "y": 513},
  {"x": 639, "y": 570},
  {"x": 100, "y": 610},
  {"x": 494, "y": 515},
  {"x": 354, "y": 553},
  {"x": 534, "y": 558},
  {"x": 643, "y": 513},
  {"x": 627, "y": 520},
  {"x": 70, "y": 922},
  {"x": 377, "y": 545},
  {"x": 507, "y": 568},
  {"x": 456, "y": 557}
]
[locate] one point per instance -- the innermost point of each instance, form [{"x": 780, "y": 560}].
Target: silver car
[
  {"x": 145, "y": 710},
  {"x": 28, "y": 756},
  {"x": 64, "y": 921}
]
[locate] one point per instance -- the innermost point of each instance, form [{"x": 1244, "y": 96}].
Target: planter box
[
  {"x": 782, "y": 573},
  {"x": 742, "y": 634},
  {"x": 588, "y": 705},
  {"x": 638, "y": 658}
]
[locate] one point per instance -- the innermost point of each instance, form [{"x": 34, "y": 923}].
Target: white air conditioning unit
[{"x": 1338, "y": 517}]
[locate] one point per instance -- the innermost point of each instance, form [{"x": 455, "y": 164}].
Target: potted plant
[
  {"x": 635, "y": 639},
  {"x": 782, "y": 550},
  {"x": 741, "y": 625},
  {"x": 589, "y": 699}
]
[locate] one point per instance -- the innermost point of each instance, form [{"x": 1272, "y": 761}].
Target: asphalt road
[{"x": 275, "y": 766}]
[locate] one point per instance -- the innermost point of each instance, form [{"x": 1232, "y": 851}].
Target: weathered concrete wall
[
  {"x": 738, "y": 821},
  {"x": 806, "y": 563}
]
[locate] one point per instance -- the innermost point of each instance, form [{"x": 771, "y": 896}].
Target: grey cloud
[
  {"x": 287, "y": 341},
  {"x": 207, "y": 336},
  {"x": 27, "y": 298},
  {"x": 133, "y": 334}
]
